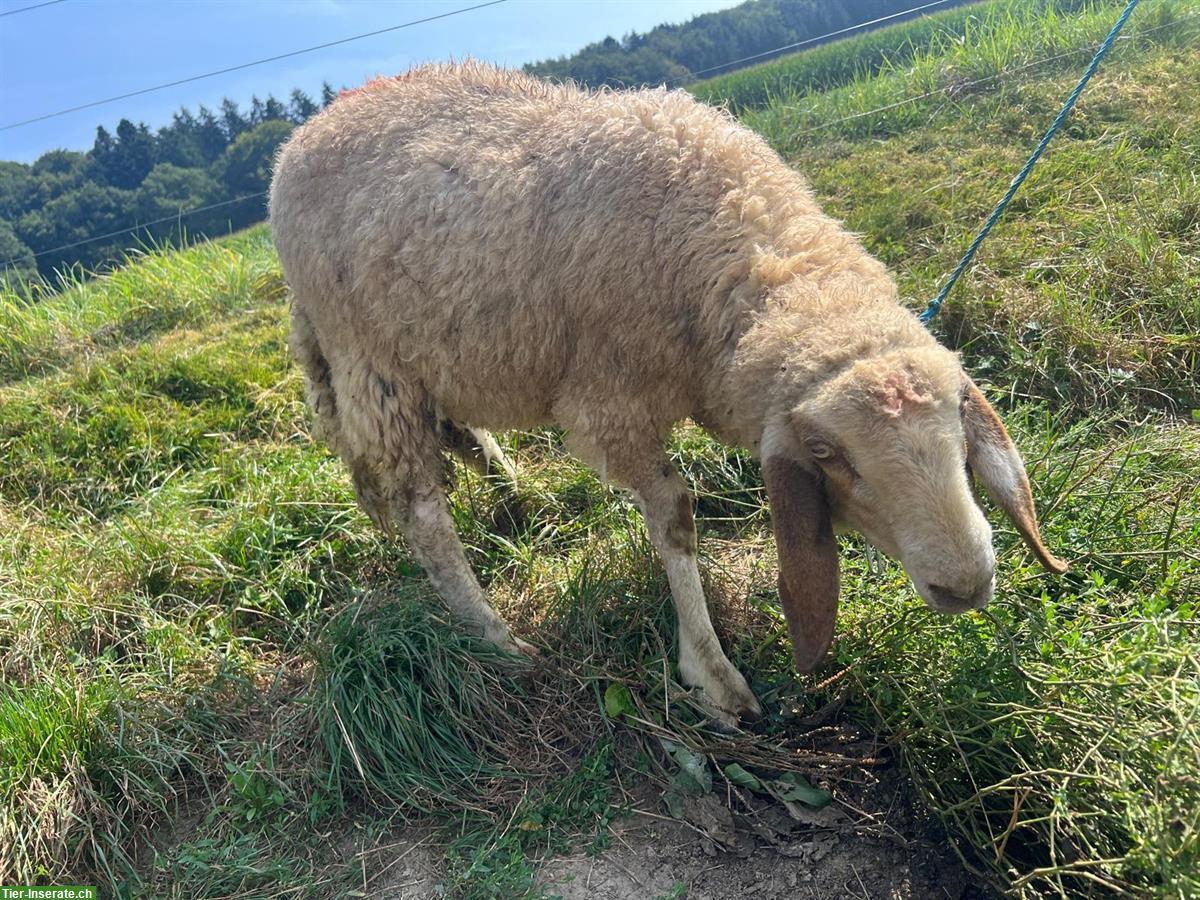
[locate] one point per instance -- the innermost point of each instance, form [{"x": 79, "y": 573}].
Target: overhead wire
[
  {"x": 13, "y": 12},
  {"x": 805, "y": 42},
  {"x": 140, "y": 225},
  {"x": 248, "y": 65},
  {"x": 960, "y": 86}
]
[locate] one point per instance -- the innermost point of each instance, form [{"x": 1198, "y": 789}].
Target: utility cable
[
  {"x": 805, "y": 42},
  {"x": 247, "y": 65},
  {"x": 13, "y": 12}
]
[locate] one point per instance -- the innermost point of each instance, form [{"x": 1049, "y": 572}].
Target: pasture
[{"x": 218, "y": 679}]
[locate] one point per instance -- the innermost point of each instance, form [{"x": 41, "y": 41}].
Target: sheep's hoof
[
  {"x": 727, "y": 721},
  {"x": 727, "y": 699},
  {"x": 510, "y": 643},
  {"x": 747, "y": 711},
  {"x": 523, "y": 647}
]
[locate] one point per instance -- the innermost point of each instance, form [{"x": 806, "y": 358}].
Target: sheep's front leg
[{"x": 667, "y": 508}]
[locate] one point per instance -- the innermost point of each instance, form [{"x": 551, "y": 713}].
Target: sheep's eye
[{"x": 820, "y": 450}]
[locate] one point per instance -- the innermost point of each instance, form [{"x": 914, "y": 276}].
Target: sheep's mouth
[{"x": 950, "y": 602}]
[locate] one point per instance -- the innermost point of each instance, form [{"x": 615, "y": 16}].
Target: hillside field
[{"x": 218, "y": 679}]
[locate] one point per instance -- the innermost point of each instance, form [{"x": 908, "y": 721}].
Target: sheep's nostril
[
  {"x": 952, "y": 600},
  {"x": 944, "y": 596}
]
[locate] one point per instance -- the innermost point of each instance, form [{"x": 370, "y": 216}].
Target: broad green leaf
[
  {"x": 739, "y": 776},
  {"x": 694, "y": 777},
  {"x": 618, "y": 700},
  {"x": 796, "y": 788}
]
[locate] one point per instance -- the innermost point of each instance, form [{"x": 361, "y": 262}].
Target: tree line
[
  {"x": 672, "y": 53},
  {"x": 134, "y": 175}
]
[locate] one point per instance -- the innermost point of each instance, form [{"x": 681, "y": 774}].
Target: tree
[
  {"x": 210, "y": 136},
  {"x": 123, "y": 162},
  {"x": 328, "y": 94},
  {"x": 178, "y": 142},
  {"x": 64, "y": 163},
  {"x": 58, "y": 172},
  {"x": 78, "y": 215},
  {"x": 18, "y": 190},
  {"x": 301, "y": 107},
  {"x": 273, "y": 109},
  {"x": 170, "y": 190},
  {"x": 15, "y": 256},
  {"x": 232, "y": 121},
  {"x": 245, "y": 166}
]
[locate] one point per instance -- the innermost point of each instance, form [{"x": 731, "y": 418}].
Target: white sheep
[{"x": 471, "y": 248}]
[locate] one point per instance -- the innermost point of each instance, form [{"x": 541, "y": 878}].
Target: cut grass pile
[{"x": 219, "y": 679}]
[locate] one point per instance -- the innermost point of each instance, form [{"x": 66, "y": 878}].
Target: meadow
[{"x": 217, "y": 679}]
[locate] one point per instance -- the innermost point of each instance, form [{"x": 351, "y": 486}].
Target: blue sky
[{"x": 77, "y": 51}]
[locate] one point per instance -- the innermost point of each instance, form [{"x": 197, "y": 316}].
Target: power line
[
  {"x": 965, "y": 85},
  {"x": 945, "y": 89},
  {"x": 175, "y": 218},
  {"x": 13, "y": 12},
  {"x": 257, "y": 62},
  {"x": 806, "y": 41}
]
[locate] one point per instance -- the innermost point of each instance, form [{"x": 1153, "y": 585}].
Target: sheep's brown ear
[
  {"x": 998, "y": 466},
  {"x": 808, "y": 564}
]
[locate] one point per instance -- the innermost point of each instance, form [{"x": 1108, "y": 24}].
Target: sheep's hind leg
[
  {"x": 425, "y": 520},
  {"x": 389, "y": 437}
]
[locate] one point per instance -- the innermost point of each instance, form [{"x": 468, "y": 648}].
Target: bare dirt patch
[{"x": 871, "y": 842}]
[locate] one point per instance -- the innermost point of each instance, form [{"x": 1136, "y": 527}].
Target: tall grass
[
  {"x": 1003, "y": 42},
  {"x": 44, "y": 326},
  {"x": 412, "y": 710}
]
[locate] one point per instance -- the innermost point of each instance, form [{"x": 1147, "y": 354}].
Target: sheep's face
[
  {"x": 888, "y": 448},
  {"x": 888, "y": 440}
]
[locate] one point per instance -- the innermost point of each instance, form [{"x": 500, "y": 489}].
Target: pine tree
[{"x": 301, "y": 106}]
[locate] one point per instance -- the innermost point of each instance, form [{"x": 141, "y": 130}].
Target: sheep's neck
[{"x": 800, "y": 337}]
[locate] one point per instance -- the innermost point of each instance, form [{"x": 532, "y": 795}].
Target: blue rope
[{"x": 936, "y": 303}]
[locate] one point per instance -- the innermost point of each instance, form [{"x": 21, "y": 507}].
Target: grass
[
  {"x": 209, "y": 657},
  {"x": 408, "y": 707},
  {"x": 832, "y": 65}
]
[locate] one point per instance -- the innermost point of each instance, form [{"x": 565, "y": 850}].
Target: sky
[{"x": 77, "y": 51}]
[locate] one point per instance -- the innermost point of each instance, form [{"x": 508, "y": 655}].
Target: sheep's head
[{"x": 888, "y": 447}]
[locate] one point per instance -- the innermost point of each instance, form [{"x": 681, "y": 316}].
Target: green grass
[
  {"x": 214, "y": 668},
  {"x": 831, "y": 65},
  {"x": 411, "y": 710}
]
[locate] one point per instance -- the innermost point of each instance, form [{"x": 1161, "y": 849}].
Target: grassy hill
[{"x": 202, "y": 641}]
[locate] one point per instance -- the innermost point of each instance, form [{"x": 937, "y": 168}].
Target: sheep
[{"x": 470, "y": 248}]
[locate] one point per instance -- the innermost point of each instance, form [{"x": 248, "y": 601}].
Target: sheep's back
[{"x": 472, "y": 220}]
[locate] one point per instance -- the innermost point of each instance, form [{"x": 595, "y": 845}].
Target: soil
[{"x": 871, "y": 842}]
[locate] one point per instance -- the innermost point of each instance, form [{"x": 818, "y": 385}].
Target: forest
[{"x": 50, "y": 211}]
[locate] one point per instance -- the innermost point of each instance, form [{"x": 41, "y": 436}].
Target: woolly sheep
[{"x": 470, "y": 248}]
